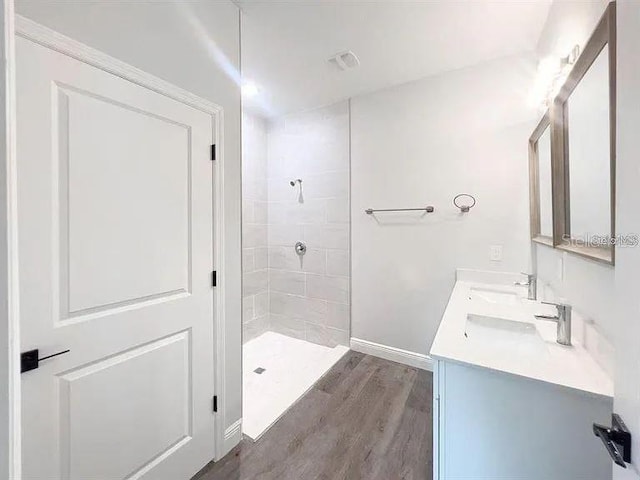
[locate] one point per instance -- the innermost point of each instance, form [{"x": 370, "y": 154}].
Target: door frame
[
  {"x": 10, "y": 439},
  {"x": 53, "y": 40}
]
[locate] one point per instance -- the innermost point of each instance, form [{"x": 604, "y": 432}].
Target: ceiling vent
[{"x": 345, "y": 60}]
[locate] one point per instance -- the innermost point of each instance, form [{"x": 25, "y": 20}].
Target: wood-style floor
[{"x": 366, "y": 419}]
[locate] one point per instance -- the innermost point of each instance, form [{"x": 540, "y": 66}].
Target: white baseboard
[
  {"x": 232, "y": 436},
  {"x": 418, "y": 360}
]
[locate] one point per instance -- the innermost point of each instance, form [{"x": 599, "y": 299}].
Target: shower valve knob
[{"x": 301, "y": 248}]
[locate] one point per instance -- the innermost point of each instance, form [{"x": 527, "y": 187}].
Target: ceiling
[{"x": 286, "y": 44}]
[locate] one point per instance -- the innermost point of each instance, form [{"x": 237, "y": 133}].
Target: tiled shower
[
  {"x": 296, "y": 308},
  {"x": 306, "y": 297}
]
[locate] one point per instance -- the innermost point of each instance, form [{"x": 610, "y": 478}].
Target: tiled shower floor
[{"x": 291, "y": 367}]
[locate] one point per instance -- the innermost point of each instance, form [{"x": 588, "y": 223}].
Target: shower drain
[{"x": 259, "y": 370}]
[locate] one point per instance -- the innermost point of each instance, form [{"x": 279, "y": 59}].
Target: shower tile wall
[
  {"x": 255, "y": 295},
  {"x": 309, "y": 296}
]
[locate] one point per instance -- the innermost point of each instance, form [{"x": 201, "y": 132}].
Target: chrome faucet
[
  {"x": 563, "y": 319},
  {"x": 531, "y": 283}
]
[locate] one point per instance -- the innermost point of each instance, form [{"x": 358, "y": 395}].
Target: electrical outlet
[{"x": 495, "y": 253}]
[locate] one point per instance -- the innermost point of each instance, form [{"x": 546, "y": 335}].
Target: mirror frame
[
  {"x": 534, "y": 182},
  {"x": 604, "y": 34}
]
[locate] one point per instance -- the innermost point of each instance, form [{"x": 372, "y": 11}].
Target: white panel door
[
  {"x": 115, "y": 192},
  {"x": 627, "y": 287}
]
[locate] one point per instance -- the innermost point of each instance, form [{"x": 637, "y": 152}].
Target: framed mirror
[
  {"x": 584, "y": 115},
  {"x": 540, "y": 183}
]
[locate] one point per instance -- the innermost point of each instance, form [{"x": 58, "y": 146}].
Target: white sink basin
[
  {"x": 504, "y": 334},
  {"x": 494, "y": 295}
]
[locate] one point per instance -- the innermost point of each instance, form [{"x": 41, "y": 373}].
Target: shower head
[{"x": 293, "y": 184}]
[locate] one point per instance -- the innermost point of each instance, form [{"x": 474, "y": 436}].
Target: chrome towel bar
[{"x": 371, "y": 211}]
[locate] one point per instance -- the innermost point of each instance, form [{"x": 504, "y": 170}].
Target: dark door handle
[
  {"x": 616, "y": 439},
  {"x": 30, "y": 359}
]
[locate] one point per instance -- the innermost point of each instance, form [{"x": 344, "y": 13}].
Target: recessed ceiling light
[{"x": 249, "y": 89}]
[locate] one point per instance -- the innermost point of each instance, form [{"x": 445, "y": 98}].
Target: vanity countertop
[{"x": 492, "y": 297}]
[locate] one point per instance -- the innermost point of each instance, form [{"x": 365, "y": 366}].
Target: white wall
[
  {"x": 585, "y": 284},
  {"x": 569, "y": 23},
  {"x": 309, "y": 297},
  {"x": 255, "y": 288},
  {"x": 423, "y": 143},
  {"x": 195, "y": 45}
]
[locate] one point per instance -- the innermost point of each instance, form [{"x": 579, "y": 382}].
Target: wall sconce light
[{"x": 551, "y": 74}]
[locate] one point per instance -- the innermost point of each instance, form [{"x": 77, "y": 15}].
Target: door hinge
[
  {"x": 214, "y": 279},
  {"x": 215, "y": 404},
  {"x": 213, "y": 151}
]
